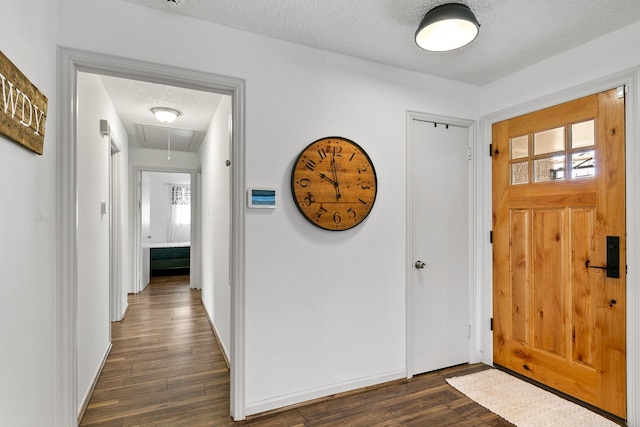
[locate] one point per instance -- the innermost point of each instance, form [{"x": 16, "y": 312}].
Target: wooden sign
[{"x": 23, "y": 108}]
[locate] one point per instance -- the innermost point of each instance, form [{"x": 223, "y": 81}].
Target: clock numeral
[
  {"x": 310, "y": 164},
  {"x": 309, "y": 200},
  {"x": 352, "y": 213},
  {"x": 337, "y": 150},
  {"x": 304, "y": 183},
  {"x": 351, "y": 158},
  {"x": 321, "y": 211},
  {"x": 363, "y": 202},
  {"x": 366, "y": 185},
  {"x": 363, "y": 169},
  {"x": 322, "y": 154},
  {"x": 337, "y": 219}
]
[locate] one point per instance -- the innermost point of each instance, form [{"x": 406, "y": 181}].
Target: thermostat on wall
[{"x": 261, "y": 198}]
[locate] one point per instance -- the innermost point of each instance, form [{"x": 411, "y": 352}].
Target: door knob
[{"x": 420, "y": 264}]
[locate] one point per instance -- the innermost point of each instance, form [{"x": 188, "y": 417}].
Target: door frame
[
  {"x": 483, "y": 189},
  {"x": 69, "y": 63},
  {"x": 471, "y": 126},
  {"x": 196, "y": 226},
  {"x": 117, "y": 298}
]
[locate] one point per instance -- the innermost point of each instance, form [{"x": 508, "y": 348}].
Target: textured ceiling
[
  {"x": 513, "y": 34},
  {"x": 134, "y": 99}
]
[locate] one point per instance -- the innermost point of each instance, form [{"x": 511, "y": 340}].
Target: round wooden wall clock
[{"x": 334, "y": 183}]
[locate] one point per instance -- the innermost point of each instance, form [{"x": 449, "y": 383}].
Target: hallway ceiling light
[
  {"x": 447, "y": 27},
  {"x": 165, "y": 115}
]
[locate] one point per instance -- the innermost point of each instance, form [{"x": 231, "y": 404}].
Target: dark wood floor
[{"x": 166, "y": 369}]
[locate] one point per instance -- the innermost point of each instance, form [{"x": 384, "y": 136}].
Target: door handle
[
  {"x": 419, "y": 265},
  {"x": 613, "y": 258}
]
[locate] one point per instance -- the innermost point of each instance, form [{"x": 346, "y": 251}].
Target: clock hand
[
  {"x": 335, "y": 173},
  {"x": 326, "y": 178}
]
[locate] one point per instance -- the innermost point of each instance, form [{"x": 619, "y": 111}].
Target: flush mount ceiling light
[
  {"x": 447, "y": 27},
  {"x": 165, "y": 115}
]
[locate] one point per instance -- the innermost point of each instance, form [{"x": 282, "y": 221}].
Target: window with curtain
[{"x": 180, "y": 213}]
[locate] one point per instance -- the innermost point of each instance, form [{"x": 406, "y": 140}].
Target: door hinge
[
  {"x": 491, "y": 236},
  {"x": 468, "y": 153},
  {"x": 490, "y": 150},
  {"x": 491, "y": 324}
]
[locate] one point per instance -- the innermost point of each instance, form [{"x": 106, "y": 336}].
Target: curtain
[{"x": 180, "y": 213}]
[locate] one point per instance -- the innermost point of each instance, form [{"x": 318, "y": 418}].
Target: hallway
[
  {"x": 164, "y": 363},
  {"x": 166, "y": 369}
]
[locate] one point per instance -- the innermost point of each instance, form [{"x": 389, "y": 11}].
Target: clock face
[{"x": 334, "y": 183}]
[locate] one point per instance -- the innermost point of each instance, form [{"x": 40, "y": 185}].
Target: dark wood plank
[{"x": 166, "y": 369}]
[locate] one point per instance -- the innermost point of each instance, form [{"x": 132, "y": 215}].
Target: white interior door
[
  {"x": 116, "y": 293},
  {"x": 145, "y": 229},
  {"x": 439, "y": 237}
]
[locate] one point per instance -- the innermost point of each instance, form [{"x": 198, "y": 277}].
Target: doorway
[
  {"x": 439, "y": 291},
  {"x": 559, "y": 294},
  {"x": 70, "y": 64},
  {"x": 165, "y": 224}
]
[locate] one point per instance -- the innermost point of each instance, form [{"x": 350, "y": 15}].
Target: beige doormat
[{"x": 524, "y": 404}]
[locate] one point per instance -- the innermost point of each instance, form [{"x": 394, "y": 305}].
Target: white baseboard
[
  {"x": 125, "y": 308},
  {"x": 294, "y": 398},
  {"x": 223, "y": 348},
  {"x": 85, "y": 400}
]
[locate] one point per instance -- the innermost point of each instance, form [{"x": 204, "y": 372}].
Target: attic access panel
[{"x": 157, "y": 137}]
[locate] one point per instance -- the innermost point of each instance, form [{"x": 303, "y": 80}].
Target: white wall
[
  {"x": 293, "y": 96},
  {"x": 216, "y": 205},
  {"x": 324, "y": 311},
  {"x": 591, "y": 61},
  {"x": 93, "y": 323},
  {"x": 150, "y": 159},
  {"x": 28, "y": 230}
]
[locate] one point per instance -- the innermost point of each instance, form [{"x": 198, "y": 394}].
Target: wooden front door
[{"x": 558, "y": 193}]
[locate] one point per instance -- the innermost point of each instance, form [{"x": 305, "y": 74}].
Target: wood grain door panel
[{"x": 556, "y": 320}]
